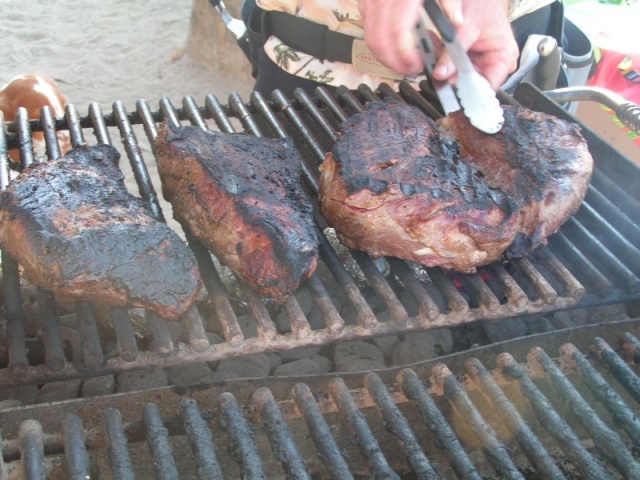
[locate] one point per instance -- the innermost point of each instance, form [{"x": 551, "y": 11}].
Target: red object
[{"x": 619, "y": 73}]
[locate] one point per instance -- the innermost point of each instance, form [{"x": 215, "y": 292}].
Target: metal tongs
[
  {"x": 234, "y": 25},
  {"x": 474, "y": 93}
]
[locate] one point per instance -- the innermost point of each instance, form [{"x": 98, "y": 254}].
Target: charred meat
[
  {"x": 76, "y": 230},
  {"x": 396, "y": 184},
  {"x": 243, "y": 197},
  {"x": 541, "y": 161}
]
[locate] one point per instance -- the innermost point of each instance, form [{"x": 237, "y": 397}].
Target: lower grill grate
[
  {"x": 573, "y": 416},
  {"x": 593, "y": 260}
]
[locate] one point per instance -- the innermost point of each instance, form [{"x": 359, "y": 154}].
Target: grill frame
[{"x": 313, "y": 123}]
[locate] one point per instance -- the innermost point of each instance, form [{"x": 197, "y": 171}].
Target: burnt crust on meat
[
  {"x": 541, "y": 161},
  {"x": 76, "y": 230},
  {"x": 243, "y": 197},
  {"x": 398, "y": 184}
]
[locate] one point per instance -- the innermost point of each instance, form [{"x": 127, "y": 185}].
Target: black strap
[{"x": 306, "y": 36}]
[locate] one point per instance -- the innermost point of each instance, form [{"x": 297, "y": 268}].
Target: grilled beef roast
[
  {"x": 541, "y": 161},
  {"x": 244, "y": 199},
  {"x": 396, "y": 185},
  {"x": 76, "y": 230}
]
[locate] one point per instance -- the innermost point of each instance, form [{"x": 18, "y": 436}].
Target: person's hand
[{"x": 482, "y": 26}]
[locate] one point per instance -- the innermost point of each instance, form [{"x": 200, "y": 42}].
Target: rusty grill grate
[
  {"x": 571, "y": 416},
  {"x": 593, "y": 260}
]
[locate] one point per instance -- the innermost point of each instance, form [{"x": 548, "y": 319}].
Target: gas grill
[{"x": 351, "y": 425}]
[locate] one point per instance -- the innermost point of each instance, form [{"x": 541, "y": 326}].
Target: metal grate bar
[
  {"x": 331, "y": 104},
  {"x": 299, "y": 325},
  {"x": 158, "y": 439},
  {"x": 622, "y": 414},
  {"x": 119, "y": 458},
  {"x": 16, "y": 336},
  {"x": 610, "y": 237},
  {"x": 139, "y": 168},
  {"x": 193, "y": 113},
  {"x": 100, "y": 129},
  {"x": 216, "y": 111},
  {"x": 621, "y": 222},
  {"x": 350, "y": 100},
  {"x": 32, "y": 450},
  {"x": 50, "y": 330},
  {"x": 509, "y": 286},
  {"x": 241, "y": 438},
  {"x": 162, "y": 342},
  {"x": 367, "y": 94},
  {"x": 85, "y": 319},
  {"x": 426, "y": 103},
  {"x": 627, "y": 203},
  {"x": 438, "y": 425},
  {"x": 330, "y": 315},
  {"x": 428, "y": 308},
  {"x": 618, "y": 367},
  {"x": 321, "y": 433},
  {"x": 630, "y": 346},
  {"x": 196, "y": 332},
  {"x": 3, "y": 468},
  {"x": 531, "y": 446},
  {"x": 201, "y": 441},
  {"x": 589, "y": 467},
  {"x": 49, "y": 132},
  {"x": 494, "y": 450},
  {"x": 376, "y": 279},
  {"x": 452, "y": 296},
  {"x": 294, "y": 117},
  {"x": 540, "y": 284},
  {"x": 606, "y": 440},
  {"x": 399, "y": 426},
  {"x": 590, "y": 274},
  {"x": 310, "y": 107},
  {"x": 282, "y": 443},
  {"x": 127, "y": 347},
  {"x": 75, "y": 125},
  {"x": 476, "y": 288},
  {"x": 571, "y": 285},
  {"x": 78, "y": 464},
  {"x": 148, "y": 122},
  {"x": 593, "y": 248},
  {"x": 26, "y": 141},
  {"x": 366, "y": 440},
  {"x": 242, "y": 112}
]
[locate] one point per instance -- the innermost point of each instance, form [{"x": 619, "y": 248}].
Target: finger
[
  {"x": 445, "y": 69},
  {"x": 453, "y": 10},
  {"x": 389, "y": 30}
]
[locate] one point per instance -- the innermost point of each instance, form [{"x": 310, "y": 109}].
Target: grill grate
[
  {"x": 566, "y": 417},
  {"x": 593, "y": 260}
]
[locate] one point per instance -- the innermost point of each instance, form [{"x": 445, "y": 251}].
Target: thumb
[{"x": 453, "y": 10}]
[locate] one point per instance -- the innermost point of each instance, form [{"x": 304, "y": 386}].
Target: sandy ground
[
  {"x": 108, "y": 50},
  {"x": 102, "y": 51}
]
